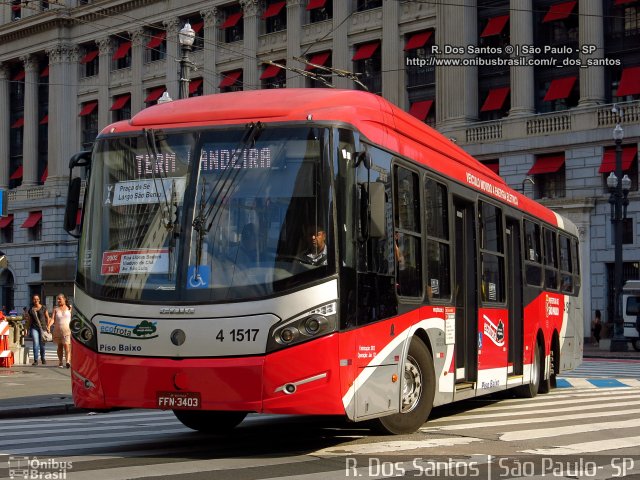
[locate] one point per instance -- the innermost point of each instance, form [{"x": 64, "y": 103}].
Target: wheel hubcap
[{"x": 412, "y": 385}]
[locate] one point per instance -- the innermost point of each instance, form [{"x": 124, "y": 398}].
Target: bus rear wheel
[
  {"x": 207, "y": 421},
  {"x": 531, "y": 390},
  {"x": 636, "y": 344},
  {"x": 417, "y": 395}
]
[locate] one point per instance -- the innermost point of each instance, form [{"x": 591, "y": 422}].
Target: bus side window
[
  {"x": 492, "y": 253},
  {"x": 550, "y": 260},
  {"x": 408, "y": 228},
  {"x": 533, "y": 254},
  {"x": 566, "y": 265},
  {"x": 437, "y": 234}
]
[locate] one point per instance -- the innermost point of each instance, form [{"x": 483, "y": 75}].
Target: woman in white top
[{"x": 61, "y": 330}]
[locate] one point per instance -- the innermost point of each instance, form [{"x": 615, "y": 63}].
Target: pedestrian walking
[
  {"x": 596, "y": 328},
  {"x": 38, "y": 323},
  {"x": 61, "y": 330}
]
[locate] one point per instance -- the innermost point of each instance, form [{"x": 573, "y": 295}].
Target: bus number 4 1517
[{"x": 238, "y": 335}]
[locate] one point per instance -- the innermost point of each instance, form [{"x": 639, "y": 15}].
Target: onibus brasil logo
[{"x": 142, "y": 331}]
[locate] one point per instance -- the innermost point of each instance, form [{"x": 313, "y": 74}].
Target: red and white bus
[{"x": 204, "y": 284}]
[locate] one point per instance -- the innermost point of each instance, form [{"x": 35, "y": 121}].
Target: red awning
[
  {"x": 32, "y": 220},
  {"x": 6, "y": 221},
  {"x": 270, "y": 72},
  {"x": 156, "y": 40},
  {"x": 560, "y": 88},
  {"x": 121, "y": 101},
  {"x": 232, "y": 20},
  {"x": 629, "y": 82},
  {"x": 79, "y": 217},
  {"x": 494, "y": 166},
  {"x": 229, "y": 78},
  {"x": 18, "y": 123},
  {"x": 89, "y": 56},
  {"x": 45, "y": 72},
  {"x": 273, "y": 10},
  {"x": 366, "y": 51},
  {"x": 19, "y": 76},
  {"x": 194, "y": 85},
  {"x": 559, "y": 11},
  {"x": 418, "y": 40},
  {"x": 153, "y": 95},
  {"x": 547, "y": 164},
  {"x": 122, "y": 50},
  {"x": 197, "y": 27},
  {"x": 318, "y": 59},
  {"x": 495, "y": 26},
  {"x": 44, "y": 120},
  {"x": 608, "y": 164},
  {"x": 45, "y": 174},
  {"x": 495, "y": 99},
  {"x": 420, "y": 110},
  {"x": 17, "y": 174},
  {"x": 87, "y": 108},
  {"x": 315, "y": 4}
]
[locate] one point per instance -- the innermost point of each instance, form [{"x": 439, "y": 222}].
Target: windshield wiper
[{"x": 208, "y": 209}]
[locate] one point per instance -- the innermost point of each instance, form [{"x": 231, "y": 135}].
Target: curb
[{"x": 38, "y": 410}]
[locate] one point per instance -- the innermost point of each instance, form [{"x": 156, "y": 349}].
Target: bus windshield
[{"x": 248, "y": 219}]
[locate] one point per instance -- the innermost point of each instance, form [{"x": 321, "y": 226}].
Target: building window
[
  {"x": 367, "y": 61},
  {"x": 367, "y": 4},
  {"x": 121, "y": 107},
  {"x": 275, "y": 16},
  {"x": 198, "y": 42},
  {"x": 231, "y": 81},
  {"x": 320, "y": 10},
  {"x": 156, "y": 47},
  {"x": 44, "y": 5},
  {"x": 629, "y": 157},
  {"x": 233, "y": 25},
  {"x": 548, "y": 173},
  {"x": 153, "y": 94},
  {"x": 273, "y": 76},
  {"x": 322, "y": 59},
  {"x": 557, "y": 94},
  {"x": 493, "y": 165},
  {"x": 33, "y": 224},
  {"x": 418, "y": 47},
  {"x": 6, "y": 229},
  {"x": 195, "y": 87},
  {"x": 90, "y": 62},
  {"x": 122, "y": 56},
  {"x": 89, "y": 114},
  {"x": 35, "y": 264}
]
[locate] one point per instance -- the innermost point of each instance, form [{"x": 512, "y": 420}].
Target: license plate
[{"x": 179, "y": 400}]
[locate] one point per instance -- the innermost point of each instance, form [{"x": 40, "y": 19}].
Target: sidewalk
[{"x": 27, "y": 391}]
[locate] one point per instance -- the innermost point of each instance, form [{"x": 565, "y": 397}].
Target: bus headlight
[
  {"x": 83, "y": 330},
  {"x": 312, "y": 324}
]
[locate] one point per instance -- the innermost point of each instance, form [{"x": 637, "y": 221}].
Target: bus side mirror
[
  {"x": 377, "y": 220},
  {"x": 73, "y": 202}
]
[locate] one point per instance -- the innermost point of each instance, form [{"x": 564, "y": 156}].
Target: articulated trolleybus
[{"x": 313, "y": 252}]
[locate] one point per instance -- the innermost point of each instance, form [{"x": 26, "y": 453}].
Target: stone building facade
[{"x": 70, "y": 67}]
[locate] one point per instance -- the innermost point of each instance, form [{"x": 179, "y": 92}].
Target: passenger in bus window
[{"x": 316, "y": 254}]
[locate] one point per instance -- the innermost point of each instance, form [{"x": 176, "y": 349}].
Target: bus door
[
  {"x": 465, "y": 293},
  {"x": 514, "y": 296}
]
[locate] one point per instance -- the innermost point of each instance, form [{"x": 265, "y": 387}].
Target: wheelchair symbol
[{"x": 198, "y": 277}]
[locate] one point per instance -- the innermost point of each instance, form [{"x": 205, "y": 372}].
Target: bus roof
[{"x": 377, "y": 119}]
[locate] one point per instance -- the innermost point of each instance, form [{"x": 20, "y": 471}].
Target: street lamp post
[
  {"x": 186, "y": 36},
  {"x": 619, "y": 189}
]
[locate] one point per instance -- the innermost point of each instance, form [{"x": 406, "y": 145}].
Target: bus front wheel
[
  {"x": 417, "y": 394},
  {"x": 207, "y": 421}
]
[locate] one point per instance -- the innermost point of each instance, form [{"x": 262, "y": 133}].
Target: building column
[
  {"x": 210, "y": 74},
  {"x": 340, "y": 54},
  {"x": 522, "y": 78},
  {"x": 137, "y": 51},
  {"x": 63, "y": 103},
  {"x": 392, "y": 83},
  {"x": 105, "y": 47},
  {"x": 250, "y": 77},
  {"x": 30, "y": 139},
  {"x": 294, "y": 31},
  {"x": 591, "y": 33},
  {"x": 456, "y": 87},
  {"x": 172, "y": 83},
  {"x": 4, "y": 126}
]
